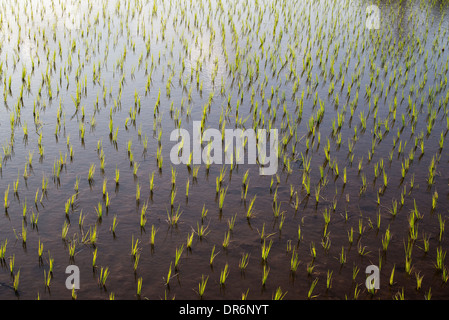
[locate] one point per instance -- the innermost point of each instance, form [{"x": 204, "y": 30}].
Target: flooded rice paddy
[{"x": 92, "y": 90}]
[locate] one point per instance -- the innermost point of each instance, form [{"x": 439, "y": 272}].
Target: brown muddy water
[{"x": 357, "y": 104}]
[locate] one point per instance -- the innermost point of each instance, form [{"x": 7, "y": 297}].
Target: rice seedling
[
  {"x": 355, "y": 271},
  {"x": 221, "y": 198},
  {"x": 152, "y": 182},
  {"x": 189, "y": 240},
  {"x": 426, "y": 242},
  {"x": 294, "y": 262},
  {"x": 312, "y": 250},
  {"x": 296, "y": 203},
  {"x": 312, "y": 287},
  {"x": 279, "y": 295},
  {"x": 153, "y": 235},
  {"x": 266, "y": 250},
  {"x": 99, "y": 210},
  {"x": 361, "y": 250},
  {"x": 195, "y": 172},
  {"x": 51, "y": 261},
  {"x": 65, "y": 230},
  {"x": 136, "y": 262},
  {"x": 107, "y": 201},
  {"x": 24, "y": 209},
  {"x": 16, "y": 282},
  {"x": 138, "y": 189},
  {"x": 187, "y": 188},
  {"x": 329, "y": 279},
  {"x": 202, "y": 231},
  {"x": 81, "y": 219},
  {"x": 408, "y": 265},
  {"x": 444, "y": 275},
  {"x": 439, "y": 265},
  {"x": 399, "y": 295},
  {"x": 172, "y": 197},
  {"x": 67, "y": 207},
  {"x": 90, "y": 176},
  {"x": 250, "y": 210},
  {"x": 434, "y": 200},
  {"x": 76, "y": 186},
  {"x": 212, "y": 256},
  {"x": 386, "y": 239},
  {"x": 6, "y": 202},
  {"x": 105, "y": 181},
  {"x": 419, "y": 279},
  {"x": 428, "y": 294},
  {"x": 224, "y": 275},
  {"x": 16, "y": 185},
  {"x": 243, "y": 262},
  {"x": 441, "y": 223},
  {"x": 178, "y": 254},
  {"x": 378, "y": 220},
  {"x": 173, "y": 216},
  {"x": 3, "y": 250},
  {"x": 12, "y": 260},
  {"x": 360, "y": 164},
  {"x": 231, "y": 222},
  {"x": 117, "y": 176},
  {"x": 72, "y": 247},
  {"x": 93, "y": 235},
  {"x": 47, "y": 279},
  {"x": 245, "y": 191},
  {"x": 266, "y": 271},
  {"x": 104, "y": 274},
  {"x": 391, "y": 282},
  {"x": 143, "y": 219},
  {"x": 394, "y": 209},
  {"x": 24, "y": 233},
  {"x": 306, "y": 184},
  {"x": 363, "y": 187},
  {"x": 202, "y": 286},
  {"x": 299, "y": 233},
  {"x": 226, "y": 240},
  {"x": 342, "y": 256},
  {"x": 263, "y": 235},
  {"x": 281, "y": 222},
  {"x": 245, "y": 295},
  {"x": 134, "y": 247},
  {"x": 94, "y": 257},
  {"x": 135, "y": 168},
  {"x": 326, "y": 216},
  {"x": 245, "y": 178}
]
